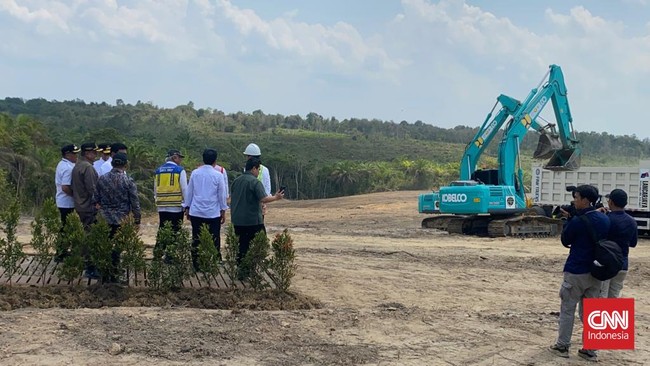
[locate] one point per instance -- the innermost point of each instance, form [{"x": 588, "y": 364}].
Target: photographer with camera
[{"x": 578, "y": 283}]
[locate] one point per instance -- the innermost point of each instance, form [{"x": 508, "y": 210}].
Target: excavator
[{"x": 493, "y": 202}]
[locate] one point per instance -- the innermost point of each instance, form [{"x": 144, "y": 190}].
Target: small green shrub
[
  {"x": 128, "y": 241},
  {"x": 157, "y": 269},
  {"x": 73, "y": 238},
  {"x": 255, "y": 263},
  {"x": 231, "y": 252},
  {"x": 11, "y": 251},
  {"x": 46, "y": 228},
  {"x": 283, "y": 261},
  {"x": 100, "y": 248},
  {"x": 172, "y": 266},
  {"x": 208, "y": 255}
]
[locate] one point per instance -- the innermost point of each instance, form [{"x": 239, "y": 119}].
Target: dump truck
[{"x": 549, "y": 188}]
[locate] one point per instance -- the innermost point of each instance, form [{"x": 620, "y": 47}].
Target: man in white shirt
[
  {"x": 206, "y": 201},
  {"x": 63, "y": 182},
  {"x": 107, "y": 166},
  {"x": 105, "y": 156}
]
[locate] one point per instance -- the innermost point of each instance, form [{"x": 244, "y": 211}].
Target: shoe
[
  {"x": 117, "y": 280},
  {"x": 588, "y": 355},
  {"x": 561, "y": 351},
  {"x": 58, "y": 258},
  {"x": 92, "y": 274}
]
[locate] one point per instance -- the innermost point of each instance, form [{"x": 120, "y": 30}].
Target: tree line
[{"x": 314, "y": 156}]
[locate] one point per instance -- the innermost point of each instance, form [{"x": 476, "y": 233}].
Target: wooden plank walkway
[{"x": 34, "y": 273}]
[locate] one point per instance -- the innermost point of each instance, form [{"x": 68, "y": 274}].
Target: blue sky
[{"x": 442, "y": 62}]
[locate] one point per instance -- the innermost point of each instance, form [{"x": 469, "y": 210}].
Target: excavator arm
[{"x": 556, "y": 142}]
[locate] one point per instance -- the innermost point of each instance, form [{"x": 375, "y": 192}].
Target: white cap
[{"x": 253, "y": 150}]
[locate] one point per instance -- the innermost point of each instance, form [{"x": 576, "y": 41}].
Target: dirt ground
[{"x": 391, "y": 294}]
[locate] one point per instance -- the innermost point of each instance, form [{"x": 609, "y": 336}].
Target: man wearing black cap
[
  {"x": 116, "y": 196},
  {"x": 623, "y": 231},
  {"x": 63, "y": 182},
  {"x": 105, "y": 151},
  {"x": 84, "y": 180},
  {"x": 578, "y": 282},
  {"x": 170, "y": 190},
  {"x": 117, "y": 147}
]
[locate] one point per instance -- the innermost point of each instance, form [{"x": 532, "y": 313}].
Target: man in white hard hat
[{"x": 253, "y": 151}]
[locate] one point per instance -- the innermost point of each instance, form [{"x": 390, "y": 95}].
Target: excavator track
[
  {"x": 525, "y": 226},
  {"x": 529, "y": 225},
  {"x": 439, "y": 222}
]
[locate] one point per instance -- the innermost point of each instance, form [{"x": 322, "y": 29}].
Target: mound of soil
[{"x": 110, "y": 295}]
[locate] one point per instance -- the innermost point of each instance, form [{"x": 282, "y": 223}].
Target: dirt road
[{"x": 392, "y": 294}]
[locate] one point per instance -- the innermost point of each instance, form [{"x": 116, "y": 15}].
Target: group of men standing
[
  {"x": 88, "y": 187},
  {"x": 204, "y": 199},
  {"x": 612, "y": 223}
]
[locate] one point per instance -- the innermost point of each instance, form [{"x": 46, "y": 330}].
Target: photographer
[{"x": 578, "y": 283}]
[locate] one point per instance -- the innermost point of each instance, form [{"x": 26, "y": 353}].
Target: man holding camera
[{"x": 578, "y": 283}]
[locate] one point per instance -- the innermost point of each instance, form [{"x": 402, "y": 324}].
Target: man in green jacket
[{"x": 247, "y": 194}]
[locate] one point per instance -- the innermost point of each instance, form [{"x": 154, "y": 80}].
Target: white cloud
[
  {"x": 340, "y": 44},
  {"x": 475, "y": 51},
  {"x": 437, "y": 61},
  {"x": 51, "y": 13}
]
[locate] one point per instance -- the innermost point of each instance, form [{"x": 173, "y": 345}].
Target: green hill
[{"x": 315, "y": 157}]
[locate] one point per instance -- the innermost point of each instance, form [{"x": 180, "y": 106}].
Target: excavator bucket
[
  {"x": 547, "y": 146},
  {"x": 564, "y": 160}
]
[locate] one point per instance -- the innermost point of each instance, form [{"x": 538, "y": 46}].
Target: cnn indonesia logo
[{"x": 609, "y": 324}]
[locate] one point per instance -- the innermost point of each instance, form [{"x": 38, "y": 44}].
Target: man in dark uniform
[
  {"x": 84, "y": 181},
  {"x": 623, "y": 231}
]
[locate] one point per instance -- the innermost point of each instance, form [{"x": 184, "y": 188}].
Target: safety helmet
[{"x": 252, "y": 150}]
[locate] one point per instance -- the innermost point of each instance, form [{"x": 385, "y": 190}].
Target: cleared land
[{"x": 391, "y": 294}]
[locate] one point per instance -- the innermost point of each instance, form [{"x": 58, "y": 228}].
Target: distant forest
[{"x": 314, "y": 156}]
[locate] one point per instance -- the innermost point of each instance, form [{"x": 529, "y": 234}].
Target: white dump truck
[{"x": 548, "y": 188}]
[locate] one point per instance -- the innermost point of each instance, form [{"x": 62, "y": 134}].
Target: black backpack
[{"x": 607, "y": 253}]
